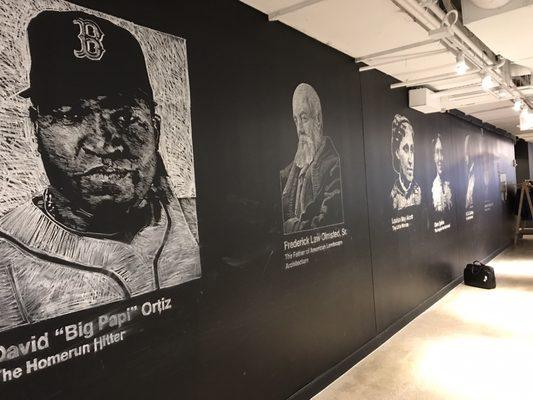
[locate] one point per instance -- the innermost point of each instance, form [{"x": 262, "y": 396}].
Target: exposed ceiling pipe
[
  {"x": 428, "y": 22},
  {"x": 423, "y": 18},
  {"x": 448, "y": 5},
  {"x": 464, "y": 32},
  {"x": 458, "y": 29},
  {"x": 437, "y": 16},
  {"x": 482, "y": 50},
  {"x": 479, "y": 56},
  {"x": 276, "y": 15}
]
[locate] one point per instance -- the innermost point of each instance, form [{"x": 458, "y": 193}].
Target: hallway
[{"x": 473, "y": 344}]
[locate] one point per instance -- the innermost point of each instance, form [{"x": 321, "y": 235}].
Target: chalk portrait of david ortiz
[{"x": 108, "y": 226}]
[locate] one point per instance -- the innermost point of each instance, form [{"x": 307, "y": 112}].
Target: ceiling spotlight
[
  {"x": 461, "y": 66},
  {"x": 517, "y": 106},
  {"x": 526, "y": 119},
  {"x": 486, "y": 82}
]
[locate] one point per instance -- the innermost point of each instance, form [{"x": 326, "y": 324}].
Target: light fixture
[
  {"x": 524, "y": 113},
  {"x": 460, "y": 66},
  {"x": 526, "y": 119},
  {"x": 517, "y": 106},
  {"x": 486, "y": 82}
]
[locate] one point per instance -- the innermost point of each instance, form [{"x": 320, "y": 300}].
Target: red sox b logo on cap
[{"x": 91, "y": 40}]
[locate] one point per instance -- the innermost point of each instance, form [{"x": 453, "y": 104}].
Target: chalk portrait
[{"x": 105, "y": 219}]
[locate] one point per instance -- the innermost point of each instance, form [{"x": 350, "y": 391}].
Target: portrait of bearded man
[{"x": 311, "y": 183}]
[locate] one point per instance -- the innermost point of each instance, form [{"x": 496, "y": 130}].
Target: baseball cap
[{"x": 78, "y": 55}]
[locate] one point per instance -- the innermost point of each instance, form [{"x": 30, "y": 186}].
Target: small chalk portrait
[
  {"x": 405, "y": 191},
  {"x": 441, "y": 191},
  {"x": 470, "y": 171}
]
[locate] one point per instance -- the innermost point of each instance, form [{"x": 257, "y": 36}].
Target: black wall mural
[
  {"x": 316, "y": 231},
  {"x": 103, "y": 209},
  {"x": 452, "y": 204},
  {"x": 524, "y": 160}
]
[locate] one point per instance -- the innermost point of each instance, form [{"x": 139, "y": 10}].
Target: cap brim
[{"x": 26, "y": 93}]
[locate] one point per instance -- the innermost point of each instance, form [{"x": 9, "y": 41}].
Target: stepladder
[{"x": 521, "y": 229}]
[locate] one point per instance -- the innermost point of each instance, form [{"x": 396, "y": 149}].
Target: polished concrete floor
[{"x": 473, "y": 344}]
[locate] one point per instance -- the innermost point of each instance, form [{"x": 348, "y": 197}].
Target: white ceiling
[{"x": 362, "y": 27}]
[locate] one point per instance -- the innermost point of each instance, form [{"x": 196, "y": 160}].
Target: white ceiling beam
[
  {"x": 492, "y": 95},
  {"x": 409, "y": 46},
  {"x": 381, "y": 54},
  {"x": 467, "y": 101},
  {"x": 459, "y": 90},
  {"x": 431, "y": 79},
  {"x": 276, "y": 15},
  {"x": 478, "y": 54},
  {"x": 498, "y": 119},
  {"x": 477, "y": 114},
  {"x": 429, "y": 69},
  {"x": 458, "y": 82},
  {"x": 398, "y": 59}
]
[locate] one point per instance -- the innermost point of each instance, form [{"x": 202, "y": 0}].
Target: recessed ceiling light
[
  {"x": 461, "y": 67},
  {"x": 487, "y": 83},
  {"x": 490, "y": 4}
]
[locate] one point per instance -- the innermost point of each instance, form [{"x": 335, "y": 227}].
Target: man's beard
[{"x": 305, "y": 152}]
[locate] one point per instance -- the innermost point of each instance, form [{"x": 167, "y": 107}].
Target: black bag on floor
[{"x": 479, "y": 275}]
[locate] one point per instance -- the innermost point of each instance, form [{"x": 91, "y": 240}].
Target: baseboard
[
  {"x": 319, "y": 383},
  {"x": 496, "y": 252}
]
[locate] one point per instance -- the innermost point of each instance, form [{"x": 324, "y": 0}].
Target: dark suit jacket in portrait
[{"x": 320, "y": 197}]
